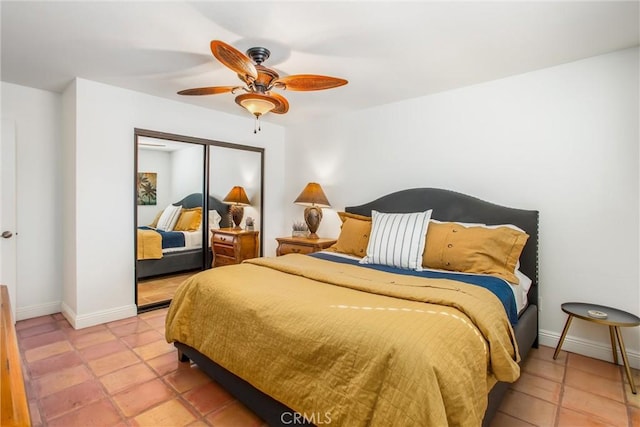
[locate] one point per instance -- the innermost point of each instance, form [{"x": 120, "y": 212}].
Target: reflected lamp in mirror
[
  {"x": 238, "y": 199},
  {"x": 314, "y": 199}
]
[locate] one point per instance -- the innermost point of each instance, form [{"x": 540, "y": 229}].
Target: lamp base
[
  {"x": 313, "y": 216},
  {"x": 237, "y": 212}
]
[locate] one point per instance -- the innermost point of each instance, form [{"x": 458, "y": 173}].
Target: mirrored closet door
[
  {"x": 174, "y": 221},
  {"x": 237, "y": 170}
]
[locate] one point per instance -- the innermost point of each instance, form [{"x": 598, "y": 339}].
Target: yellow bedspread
[
  {"x": 149, "y": 244},
  {"x": 350, "y": 345}
]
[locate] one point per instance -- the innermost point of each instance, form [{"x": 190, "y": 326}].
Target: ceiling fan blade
[
  {"x": 233, "y": 59},
  {"x": 213, "y": 90},
  {"x": 308, "y": 82},
  {"x": 284, "y": 104}
]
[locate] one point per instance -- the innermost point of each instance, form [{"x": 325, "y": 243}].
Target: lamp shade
[
  {"x": 312, "y": 195},
  {"x": 237, "y": 196}
]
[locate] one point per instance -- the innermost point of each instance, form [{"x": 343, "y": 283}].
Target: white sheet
[{"x": 192, "y": 240}]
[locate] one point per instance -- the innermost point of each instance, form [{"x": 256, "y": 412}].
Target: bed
[
  {"x": 452, "y": 368},
  {"x": 183, "y": 256}
]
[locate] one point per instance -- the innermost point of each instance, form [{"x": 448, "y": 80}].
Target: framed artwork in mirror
[{"x": 147, "y": 188}]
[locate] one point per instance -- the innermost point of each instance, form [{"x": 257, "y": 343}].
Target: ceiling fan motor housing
[{"x": 258, "y": 54}]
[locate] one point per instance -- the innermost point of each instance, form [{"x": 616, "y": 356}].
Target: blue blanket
[
  {"x": 170, "y": 239},
  {"x": 496, "y": 285}
]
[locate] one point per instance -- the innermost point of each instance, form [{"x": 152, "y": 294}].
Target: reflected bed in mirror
[
  {"x": 161, "y": 253},
  {"x": 172, "y": 174}
]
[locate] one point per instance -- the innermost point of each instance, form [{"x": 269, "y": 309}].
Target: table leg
[
  {"x": 623, "y": 350},
  {"x": 613, "y": 345},
  {"x": 564, "y": 334}
]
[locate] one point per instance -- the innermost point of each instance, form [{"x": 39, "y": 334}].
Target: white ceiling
[{"x": 389, "y": 51}]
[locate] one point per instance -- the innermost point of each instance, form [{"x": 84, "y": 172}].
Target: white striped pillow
[
  {"x": 169, "y": 218},
  {"x": 397, "y": 239}
]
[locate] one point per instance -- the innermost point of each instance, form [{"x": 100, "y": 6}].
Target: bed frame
[
  {"x": 175, "y": 262},
  {"x": 447, "y": 206}
]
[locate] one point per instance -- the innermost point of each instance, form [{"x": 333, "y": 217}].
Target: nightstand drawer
[
  {"x": 289, "y": 248},
  {"x": 223, "y": 238},
  {"x": 233, "y": 245},
  {"x": 224, "y": 250}
]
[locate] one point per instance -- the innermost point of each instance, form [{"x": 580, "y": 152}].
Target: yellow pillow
[
  {"x": 492, "y": 251},
  {"x": 354, "y": 237},
  {"x": 189, "y": 220},
  {"x": 344, "y": 215},
  {"x": 154, "y": 223}
]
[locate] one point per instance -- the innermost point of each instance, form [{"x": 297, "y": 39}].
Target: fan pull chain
[{"x": 256, "y": 127}]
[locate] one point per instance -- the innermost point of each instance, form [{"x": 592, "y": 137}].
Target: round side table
[{"x": 615, "y": 319}]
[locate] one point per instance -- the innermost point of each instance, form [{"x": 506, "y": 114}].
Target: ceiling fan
[{"x": 259, "y": 81}]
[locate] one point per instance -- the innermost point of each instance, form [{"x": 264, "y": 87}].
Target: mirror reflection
[
  {"x": 173, "y": 173},
  {"x": 237, "y": 168}
]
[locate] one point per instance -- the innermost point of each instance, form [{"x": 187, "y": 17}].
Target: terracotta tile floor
[{"x": 124, "y": 374}]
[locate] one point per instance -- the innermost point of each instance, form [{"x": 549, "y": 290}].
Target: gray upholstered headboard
[
  {"x": 452, "y": 206},
  {"x": 194, "y": 200}
]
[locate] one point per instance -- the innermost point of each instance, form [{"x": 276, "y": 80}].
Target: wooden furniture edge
[{"x": 15, "y": 407}]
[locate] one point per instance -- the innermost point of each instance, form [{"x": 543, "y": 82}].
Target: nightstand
[
  {"x": 301, "y": 245},
  {"x": 232, "y": 246}
]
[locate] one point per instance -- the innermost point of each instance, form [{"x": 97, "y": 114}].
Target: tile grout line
[{"x": 562, "y": 385}]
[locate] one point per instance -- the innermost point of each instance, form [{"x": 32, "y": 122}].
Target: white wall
[
  {"x": 186, "y": 171},
  {"x": 105, "y": 154},
  {"x": 38, "y": 122},
  {"x": 562, "y": 140}
]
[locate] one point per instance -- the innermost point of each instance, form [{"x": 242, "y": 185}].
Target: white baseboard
[
  {"x": 589, "y": 348},
  {"x": 23, "y": 313},
  {"x": 97, "y": 318}
]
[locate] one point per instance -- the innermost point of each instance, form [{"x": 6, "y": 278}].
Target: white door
[{"x": 8, "y": 210}]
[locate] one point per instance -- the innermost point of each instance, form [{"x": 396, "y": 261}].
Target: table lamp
[
  {"x": 314, "y": 199},
  {"x": 237, "y": 198}
]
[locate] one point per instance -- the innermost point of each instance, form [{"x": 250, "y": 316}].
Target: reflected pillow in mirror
[
  {"x": 169, "y": 218},
  {"x": 214, "y": 219},
  {"x": 189, "y": 220},
  {"x": 154, "y": 223}
]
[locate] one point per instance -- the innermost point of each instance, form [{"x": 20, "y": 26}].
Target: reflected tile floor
[{"x": 124, "y": 373}]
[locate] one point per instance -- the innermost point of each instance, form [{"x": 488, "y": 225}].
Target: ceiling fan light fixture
[{"x": 257, "y": 106}]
